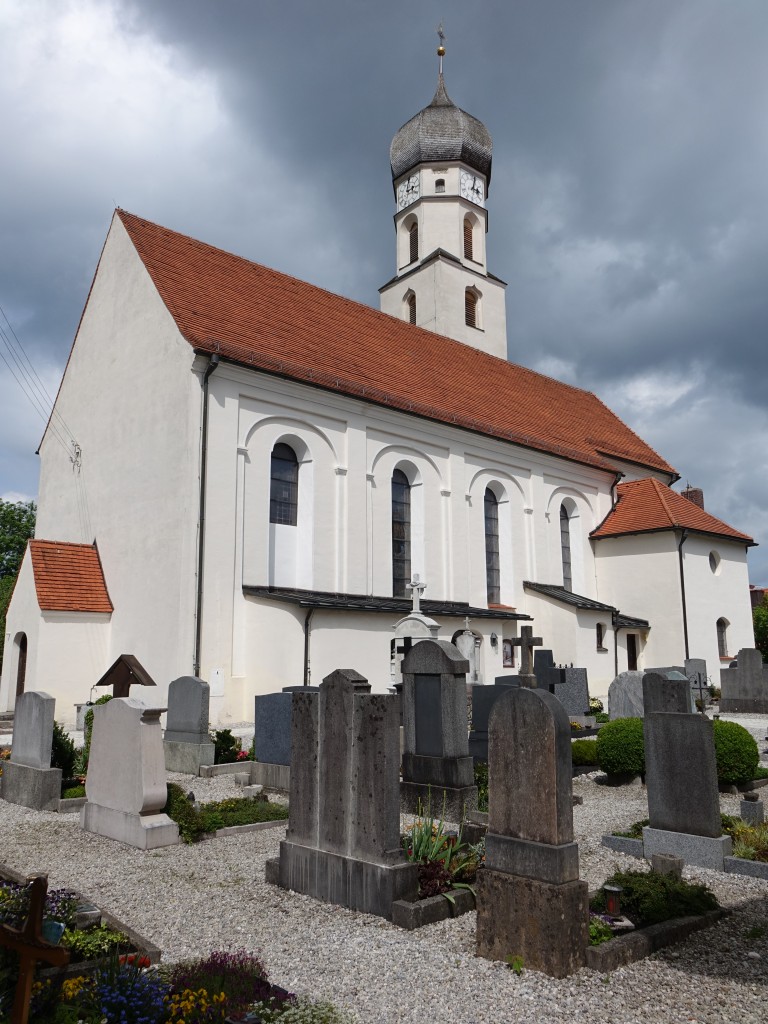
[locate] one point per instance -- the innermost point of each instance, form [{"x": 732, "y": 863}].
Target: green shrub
[
  {"x": 599, "y": 931},
  {"x": 620, "y": 747},
  {"x": 94, "y": 943},
  {"x": 602, "y": 717},
  {"x": 72, "y": 792},
  {"x": 180, "y": 810},
  {"x": 227, "y": 746},
  {"x": 481, "y": 781},
  {"x": 193, "y": 822},
  {"x": 649, "y": 897},
  {"x": 736, "y": 753},
  {"x": 63, "y": 753},
  {"x": 88, "y": 728},
  {"x": 584, "y": 752}
]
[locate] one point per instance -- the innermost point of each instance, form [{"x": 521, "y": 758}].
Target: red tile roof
[
  {"x": 644, "y": 506},
  {"x": 275, "y": 323},
  {"x": 69, "y": 577}
]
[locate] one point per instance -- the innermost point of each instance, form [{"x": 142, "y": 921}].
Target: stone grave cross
[
  {"x": 30, "y": 947},
  {"x": 417, "y": 588},
  {"x": 526, "y": 642}
]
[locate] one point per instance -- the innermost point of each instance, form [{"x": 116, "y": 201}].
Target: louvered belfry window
[
  {"x": 468, "y": 239},
  {"x": 492, "y": 571},
  {"x": 284, "y": 486},
  {"x": 565, "y": 548},
  {"x": 412, "y": 308},
  {"x": 401, "y": 533},
  {"x": 413, "y": 239},
  {"x": 470, "y": 308}
]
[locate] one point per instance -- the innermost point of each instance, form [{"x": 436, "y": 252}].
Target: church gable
[{"x": 269, "y": 321}]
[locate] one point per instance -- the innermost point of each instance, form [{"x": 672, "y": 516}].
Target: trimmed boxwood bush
[
  {"x": 620, "y": 747},
  {"x": 736, "y": 753},
  {"x": 63, "y": 753},
  {"x": 584, "y": 752}
]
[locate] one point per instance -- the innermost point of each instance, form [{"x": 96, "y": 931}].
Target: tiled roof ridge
[{"x": 663, "y": 500}]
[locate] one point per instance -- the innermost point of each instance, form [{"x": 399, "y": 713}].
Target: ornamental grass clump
[
  {"x": 736, "y": 753},
  {"x": 620, "y": 747}
]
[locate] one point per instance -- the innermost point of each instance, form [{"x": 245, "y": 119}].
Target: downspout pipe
[
  {"x": 213, "y": 362},
  {"x": 683, "y": 539},
  {"x": 307, "y": 631}
]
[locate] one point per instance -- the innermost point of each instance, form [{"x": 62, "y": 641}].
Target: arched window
[
  {"x": 722, "y": 637},
  {"x": 401, "y": 533},
  {"x": 21, "y": 665},
  {"x": 440, "y": 185},
  {"x": 600, "y": 636},
  {"x": 565, "y": 547},
  {"x": 467, "y": 239},
  {"x": 470, "y": 308},
  {"x": 411, "y": 304},
  {"x": 492, "y": 572},
  {"x": 413, "y": 242},
  {"x": 284, "y": 486}
]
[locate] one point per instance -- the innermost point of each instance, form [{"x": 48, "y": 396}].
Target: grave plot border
[
  {"x": 637, "y": 945},
  {"x": 138, "y": 943},
  {"x": 731, "y": 865},
  {"x": 410, "y": 916}
]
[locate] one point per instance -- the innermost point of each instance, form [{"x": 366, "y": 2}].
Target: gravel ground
[{"x": 191, "y": 899}]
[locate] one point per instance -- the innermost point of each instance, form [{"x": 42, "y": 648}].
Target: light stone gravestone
[
  {"x": 681, "y": 780},
  {"x": 28, "y": 778},
  {"x": 745, "y": 688},
  {"x": 751, "y": 809},
  {"x": 187, "y": 743},
  {"x": 695, "y": 669},
  {"x": 625, "y": 696},
  {"x": 343, "y": 839},
  {"x": 530, "y": 902},
  {"x": 126, "y": 785},
  {"x": 437, "y": 768}
]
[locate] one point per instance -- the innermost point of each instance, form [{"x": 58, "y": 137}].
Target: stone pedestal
[
  {"x": 545, "y": 924},
  {"x": 38, "y": 788},
  {"x": 144, "y": 831},
  {"x": 187, "y": 758},
  {"x": 703, "y": 851}
]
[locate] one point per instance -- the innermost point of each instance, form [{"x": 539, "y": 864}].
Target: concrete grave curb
[{"x": 626, "y": 949}]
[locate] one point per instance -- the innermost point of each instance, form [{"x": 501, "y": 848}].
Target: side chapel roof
[
  {"x": 647, "y": 506},
  {"x": 272, "y": 322},
  {"x": 68, "y": 577}
]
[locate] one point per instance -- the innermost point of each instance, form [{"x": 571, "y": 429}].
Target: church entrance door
[{"x": 632, "y": 652}]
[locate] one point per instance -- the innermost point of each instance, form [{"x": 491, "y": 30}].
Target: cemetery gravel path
[{"x": 191, "y": 899}]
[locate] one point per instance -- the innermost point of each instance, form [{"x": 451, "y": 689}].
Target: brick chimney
[{"x": 694, "y": 494}]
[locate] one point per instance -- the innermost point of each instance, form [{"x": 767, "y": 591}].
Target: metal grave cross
[
  {"x": 30, "y": 946},
  {"x": 699, "y": 686},
  {"x": 417, "y": 588},
  {"x": 526, "y": 642}
]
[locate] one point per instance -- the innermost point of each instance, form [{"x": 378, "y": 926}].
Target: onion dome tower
[{"x": 441, "y": 170}]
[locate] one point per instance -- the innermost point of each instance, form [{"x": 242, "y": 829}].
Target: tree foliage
[
  {"x": 6, "y": 589},
  {"x": 760, "y": 622},
  {"x": 17, "y": 525}
]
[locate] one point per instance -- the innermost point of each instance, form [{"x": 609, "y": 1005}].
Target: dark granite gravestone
[
  {"x": 186, "y": 741},
  {"x": 530, "y": 902},
  {"x": 745, "y": 688},
  {"x": 570, "y": 687},
  {"x": 343, "y": 840},
  {"x": 543, "y": 660},
  {"x": 681, "y": 777},
  {"x": 28, "y": 778},
  {"x": 483, "y": 699},
  {"x": 437, "y": 768},
  {"x": 670, "y": 692},
  {"x": 272, "y": 724}
]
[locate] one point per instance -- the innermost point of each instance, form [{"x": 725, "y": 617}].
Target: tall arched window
[
  {"x": 413, "y": 242},
  {"x": 401, "y": 533},
  {"x": 470, "y": 308},
  {"x": 411, "y": 304},
  {"x": 565, "y": 547},
  {"x": 722, "y": 637},
  {"x": 467, "y": 239},
  {"x": 492, "y": 571},
  {"x": 21, "y": 665},
  {"x": 284, "y": 486}
]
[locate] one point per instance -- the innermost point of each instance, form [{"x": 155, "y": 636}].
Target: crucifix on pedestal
[
  {"x": 526, "y": 642},
  {"x": 417, "y": 588},
  {"x": 30, "y": 947}
]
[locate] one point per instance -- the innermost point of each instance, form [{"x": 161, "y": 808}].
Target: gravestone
[
  {"x": 543, "y": 660},
  {"x": 625, "y": 696},
  {"x": 526, "y": 642},
  {"x": 483, "y": 699},
  {"x": 343, "y": 839},
  {"x": 681, "y": 780},
  {"x": 530, "y": 902},
  {"x": 28, "y": 778},
  {"x": 272, "y": 737},
  {"x": 187, "y": 743},
  {"x": 437, "y": 768},
  {"x": 666, "y": 693},
  {"x": 126, "y": 786},
  {"x": 570, "y": 687},
  {"x": 745, "y": 687}
]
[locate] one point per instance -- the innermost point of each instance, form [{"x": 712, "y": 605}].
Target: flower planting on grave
[
  {"x": 620, "y": 747},
  {"x": 648, "y": 897},
  {"x": 750, "y": 842},
  {"x": 481, "y": 781},
  {"x": 194, "y": 821},
  {"x": 444, "y": 861},
  {"x": 228, "y": 747}
]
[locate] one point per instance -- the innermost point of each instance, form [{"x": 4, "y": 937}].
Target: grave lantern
[{"x": 612, "y": 899}]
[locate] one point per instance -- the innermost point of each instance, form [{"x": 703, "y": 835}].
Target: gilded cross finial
[{"x": 441, "y": 47}]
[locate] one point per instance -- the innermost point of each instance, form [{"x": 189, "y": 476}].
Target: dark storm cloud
[{"x": 628, "y": 206}]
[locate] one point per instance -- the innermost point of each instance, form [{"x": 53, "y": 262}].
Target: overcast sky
[{"x": 628, "y": 205}]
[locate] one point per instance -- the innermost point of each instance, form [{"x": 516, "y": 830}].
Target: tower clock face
[
  {"x": 472, "y": 188},
  {"x": 408, "y": 191}
]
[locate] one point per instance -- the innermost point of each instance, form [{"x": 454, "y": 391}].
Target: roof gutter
[
  {"x": 683, "y": 539},
  {"x": 213, "y": 362}
]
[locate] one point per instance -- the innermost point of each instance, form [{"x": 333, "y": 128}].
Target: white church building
[{"x": 243, "y": 472}]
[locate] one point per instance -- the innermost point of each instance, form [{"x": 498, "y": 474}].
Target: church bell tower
[{"x": 441, "y": 171}]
